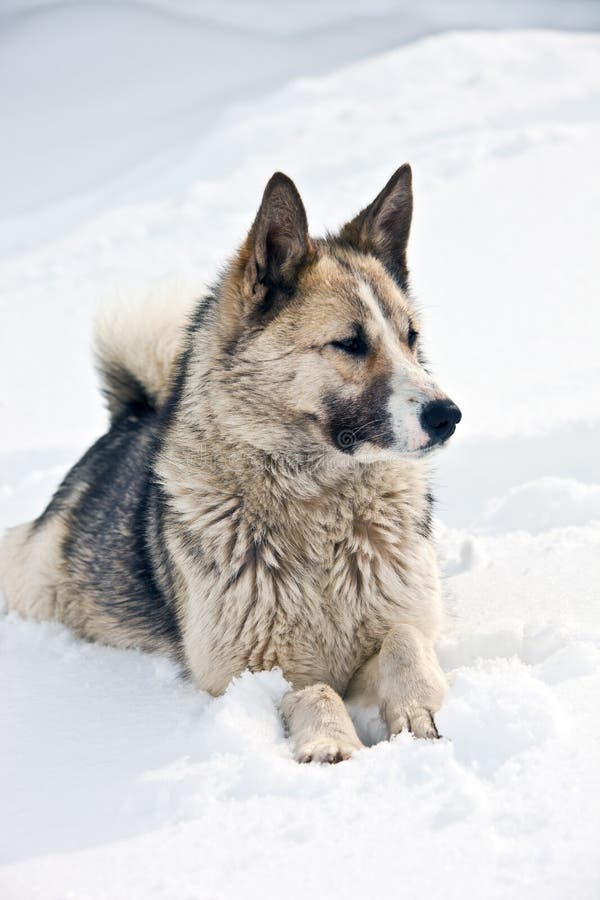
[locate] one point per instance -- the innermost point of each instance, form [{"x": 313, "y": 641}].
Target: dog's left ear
[
  {"x": 383, "y": 227},
  {"x": 278, "y": 243}
]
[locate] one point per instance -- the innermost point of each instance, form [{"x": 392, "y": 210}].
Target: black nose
[{"x": 439, "y": 419}]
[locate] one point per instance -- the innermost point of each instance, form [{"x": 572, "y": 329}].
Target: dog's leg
[
  {"x": 319, "y": 725},
  {"x": 405, "y": 680}
]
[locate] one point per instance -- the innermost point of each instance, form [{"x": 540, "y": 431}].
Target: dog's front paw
[
  {"x": 319, "y": 725},
  {"x": 326, "y": 750},
  {"x": 418, "y": 720}
]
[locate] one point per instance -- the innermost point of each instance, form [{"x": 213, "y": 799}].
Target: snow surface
[{"x": 117, "y": 779}]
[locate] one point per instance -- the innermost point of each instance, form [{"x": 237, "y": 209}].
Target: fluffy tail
[{"x": 136, "y": 345}]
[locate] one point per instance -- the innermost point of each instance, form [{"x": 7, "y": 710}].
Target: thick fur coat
[{"x": 262, "y": 497}]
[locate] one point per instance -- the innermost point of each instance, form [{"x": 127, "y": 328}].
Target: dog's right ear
[{"x": 277, "y": 244}]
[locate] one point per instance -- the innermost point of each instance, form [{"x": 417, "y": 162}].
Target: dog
[{"x": 262, "y": 497}]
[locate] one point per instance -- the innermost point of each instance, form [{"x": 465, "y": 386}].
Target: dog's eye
[
  {"x": 353, "y": 346},
  {"x": 412, "y": 336}
]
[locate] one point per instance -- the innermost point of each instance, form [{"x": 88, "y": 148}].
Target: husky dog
[{"x": 262, "y": 496}]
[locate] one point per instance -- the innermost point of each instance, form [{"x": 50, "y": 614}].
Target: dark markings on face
[
  {"x": 351, "y": 423},
  {"x": 385, "y": 305}
]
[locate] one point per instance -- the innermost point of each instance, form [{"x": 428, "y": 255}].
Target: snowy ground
[{"x": 117, "y": 780}]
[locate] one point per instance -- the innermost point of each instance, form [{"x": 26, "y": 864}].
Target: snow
[{"x": 117, "y": 779}]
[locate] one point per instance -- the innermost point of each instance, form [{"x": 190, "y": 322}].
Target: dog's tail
[{"x": 136, "y": 345}]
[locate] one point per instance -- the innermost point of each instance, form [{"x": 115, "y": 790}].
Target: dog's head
[{"x": 319, "y": 344}]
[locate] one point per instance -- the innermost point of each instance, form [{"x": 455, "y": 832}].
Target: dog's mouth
[
  {"x": 373, "y": 453},
  {"x": 436, "y": 442},
  {"x": 419, "y": 452}
]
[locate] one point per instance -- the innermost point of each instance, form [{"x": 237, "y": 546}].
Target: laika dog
[{"x": 262, "y": 496}]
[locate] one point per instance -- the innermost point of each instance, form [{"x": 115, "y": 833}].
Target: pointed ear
[
  {"x": 278, "y": 243},
  {"x": 383, "y": 227}
]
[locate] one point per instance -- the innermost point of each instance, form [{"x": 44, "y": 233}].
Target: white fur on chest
[{"x": 310, "y": 585}]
